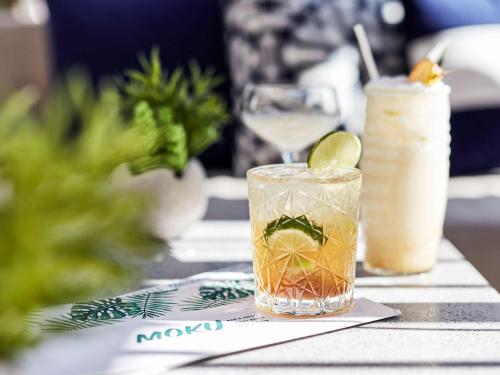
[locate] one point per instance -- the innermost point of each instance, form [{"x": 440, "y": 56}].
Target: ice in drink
[{"x": 304, "y": 235}]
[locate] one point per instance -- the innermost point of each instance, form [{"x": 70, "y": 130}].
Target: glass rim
[
  {"x": 404, "y": 87},
  {"x": 403, "y": 91},
  {"x": 347, "y": 174}
]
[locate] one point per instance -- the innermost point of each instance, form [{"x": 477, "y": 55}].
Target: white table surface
[{"x": 450, "y": 322}]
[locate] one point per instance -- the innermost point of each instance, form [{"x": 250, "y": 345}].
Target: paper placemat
[{"x": 179, "y": 322}]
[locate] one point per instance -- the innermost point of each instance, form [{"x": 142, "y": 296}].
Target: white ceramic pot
[{"x": 180, "y": 201}]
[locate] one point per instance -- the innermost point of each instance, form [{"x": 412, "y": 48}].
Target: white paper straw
[
  {"x": 366, "y": 51},
  {"x": 438, "y": 50}
]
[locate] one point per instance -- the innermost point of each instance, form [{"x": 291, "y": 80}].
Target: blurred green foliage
[
  {"x": 66, "y": 232},
  {"x": 184, "y": 114}
]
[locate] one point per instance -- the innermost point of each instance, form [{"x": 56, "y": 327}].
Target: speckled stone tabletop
[{"x": 450, "y": 322}]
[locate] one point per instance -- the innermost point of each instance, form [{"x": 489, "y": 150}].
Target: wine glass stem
[{"x": 289, "y": 157}]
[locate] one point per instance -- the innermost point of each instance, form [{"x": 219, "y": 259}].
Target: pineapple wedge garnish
[{"x": 427, "y": 72}]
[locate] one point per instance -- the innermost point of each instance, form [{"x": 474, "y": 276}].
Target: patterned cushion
[{"x": 277, "y": 40}]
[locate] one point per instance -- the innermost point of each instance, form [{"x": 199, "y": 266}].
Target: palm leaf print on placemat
[
  {"x": 152, "y": 304},
  {"x": 65, "y": 323},
  {"x": 106, "y": 309},
  {"x": 219, "y": 293},
  {"x": 112, "y": 310},
  {"x": 91, "y": 314}
]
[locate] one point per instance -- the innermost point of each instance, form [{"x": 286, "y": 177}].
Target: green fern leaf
[
  {"x": 176, "y": 152},
  {"x": 67, "y": 323},
  {"x": 144, "y": 120},
  {"x": 301, "y": 223},
  {"x": 219, "y": 293},
  {"x": 199, "y": 303},
  {"x": 152, "y": 304},
  {"x": 106, "y": 309}
]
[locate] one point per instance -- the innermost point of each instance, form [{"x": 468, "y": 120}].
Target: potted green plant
[{"x": 183, "y": 116}]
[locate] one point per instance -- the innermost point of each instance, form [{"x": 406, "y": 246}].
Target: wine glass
[{"x": 290, "y": 116}]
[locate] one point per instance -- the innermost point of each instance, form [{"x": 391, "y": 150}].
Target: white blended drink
[{"x": 406, "y": 165}]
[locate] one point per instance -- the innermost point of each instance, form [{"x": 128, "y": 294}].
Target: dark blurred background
[{"x": 269, "y": 40}]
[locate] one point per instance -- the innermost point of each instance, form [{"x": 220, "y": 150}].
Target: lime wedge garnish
[
  {"x": 300, "y": 223},
  {"x": 338, "y": 149},
  {"x": 294, "y": 244},
  {"x": 296, "y": 237}
]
